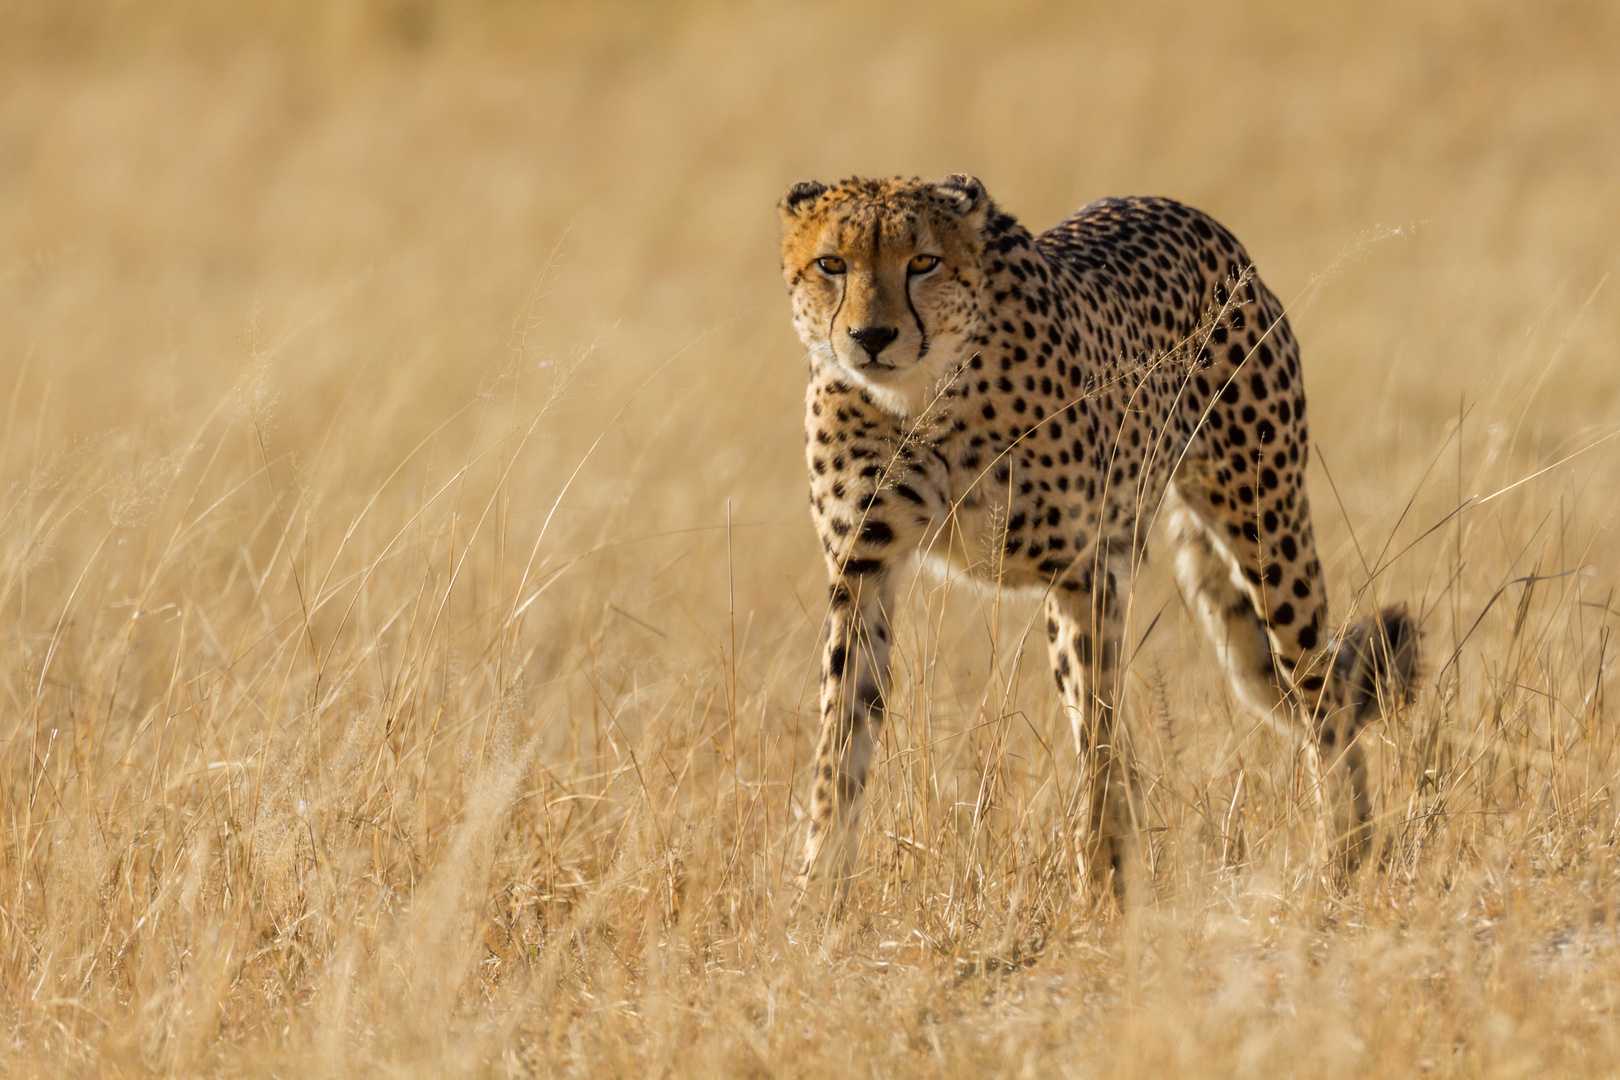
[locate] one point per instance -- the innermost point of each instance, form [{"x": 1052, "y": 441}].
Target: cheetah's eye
[
  {"x": 921, "y": 264},
  {"x": 831, "y": 264}
]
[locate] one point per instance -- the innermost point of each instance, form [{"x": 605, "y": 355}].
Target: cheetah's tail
[{"x": 1378, "y": 660}]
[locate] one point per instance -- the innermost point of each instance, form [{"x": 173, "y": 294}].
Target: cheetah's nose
[{"x": 874, "y": 339}]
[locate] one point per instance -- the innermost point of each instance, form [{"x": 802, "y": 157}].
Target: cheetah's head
[{"x": 885, "y": 278}]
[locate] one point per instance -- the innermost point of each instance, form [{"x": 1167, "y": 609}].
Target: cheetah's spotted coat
[{"x": 1026, "y": 406}]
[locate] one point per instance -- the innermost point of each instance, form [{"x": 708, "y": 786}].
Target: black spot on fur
[{"x": 877, "y": 532}]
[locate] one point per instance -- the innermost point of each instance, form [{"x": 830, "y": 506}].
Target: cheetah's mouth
[{"x": 886, "y": 364}]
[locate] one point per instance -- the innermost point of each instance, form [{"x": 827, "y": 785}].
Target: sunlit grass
[{"x": 410, "y": 611}]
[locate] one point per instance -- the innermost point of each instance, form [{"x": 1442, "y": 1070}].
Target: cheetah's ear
[
  {"x": 964, "y": 191},
  {"x": 797, "y": 199}
]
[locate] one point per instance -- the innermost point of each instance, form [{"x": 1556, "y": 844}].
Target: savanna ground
[{"x": 410, "y": 609}]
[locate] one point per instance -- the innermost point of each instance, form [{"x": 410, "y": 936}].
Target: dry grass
[{"x": 409, "y": 606}]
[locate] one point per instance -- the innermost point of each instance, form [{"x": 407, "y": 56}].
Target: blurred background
[
  {"x": 386, "y": 180},
  {"x": 400, "y": 390}
]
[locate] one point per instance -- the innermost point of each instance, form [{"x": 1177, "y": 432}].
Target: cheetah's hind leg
[{"x": 1317, "y": 692}]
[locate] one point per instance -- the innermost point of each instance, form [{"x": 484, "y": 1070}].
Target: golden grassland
[{"x": 410, "y": 610}]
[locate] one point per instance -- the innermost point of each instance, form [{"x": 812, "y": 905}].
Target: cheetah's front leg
[
  {"x": 854, "y": 680},
  {"x": 1084, "y": 642}
]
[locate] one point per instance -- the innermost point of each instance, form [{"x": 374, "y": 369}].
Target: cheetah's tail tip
[{"x": 1380, "y": 659}]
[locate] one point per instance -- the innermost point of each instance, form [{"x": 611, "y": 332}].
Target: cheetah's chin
[{"x": 903, "y": 392}]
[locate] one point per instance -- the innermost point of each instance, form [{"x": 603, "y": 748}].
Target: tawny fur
[{"x": 1049, "y": 397}]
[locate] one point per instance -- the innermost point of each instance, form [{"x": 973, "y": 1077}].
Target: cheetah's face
[{"x": 885, "y": 279}]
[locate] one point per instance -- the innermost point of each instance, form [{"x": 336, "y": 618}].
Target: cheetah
[{"x": 1024, "y": 407}]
